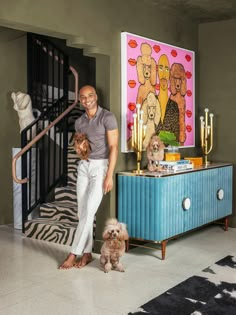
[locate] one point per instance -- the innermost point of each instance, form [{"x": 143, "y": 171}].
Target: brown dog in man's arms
[{"x": 81, "y": 145}]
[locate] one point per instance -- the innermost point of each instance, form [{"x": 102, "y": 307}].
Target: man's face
[
  {"x": 163, "y": 72},
  {"x": 88, "y": 97}
]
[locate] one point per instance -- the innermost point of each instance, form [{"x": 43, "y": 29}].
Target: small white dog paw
[
  {"x": 107, "y": 267},
  {"x": 120, "y": 268}
]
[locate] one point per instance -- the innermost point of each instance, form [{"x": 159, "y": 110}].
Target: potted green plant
[
  {"x": 168, "y": 138},
  {"x": 171, "y": 144}
]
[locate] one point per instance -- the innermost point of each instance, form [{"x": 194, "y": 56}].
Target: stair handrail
[{"x": 43, "y": 132}]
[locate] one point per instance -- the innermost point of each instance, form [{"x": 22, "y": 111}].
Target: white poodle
[{"x": 151, "y": 116}]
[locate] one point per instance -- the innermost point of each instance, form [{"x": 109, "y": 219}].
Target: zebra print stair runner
[
  {"x": 58, "y": 220},
  {"x": 51, "y": 231},
  {"x": 59, "y": 211},
  {"x": 66, "y": 194}
]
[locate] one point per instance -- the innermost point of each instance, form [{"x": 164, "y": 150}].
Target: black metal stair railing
[
  {"x": 48, "y": 71},
  {"x": 45, "y": 163},
  {"x": 46, "y": 171}
]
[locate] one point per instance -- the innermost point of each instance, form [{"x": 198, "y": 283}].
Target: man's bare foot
[
  {"x": 84, "y": 260},
  {"x": 69, "y": 262}
]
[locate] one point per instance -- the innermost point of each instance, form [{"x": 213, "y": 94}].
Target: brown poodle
[
  {"x": 178, "y": 88},
  {"x": 147, "y": 73},
  {"x": 115, "y": 234},
  {"x": 151, "y": 116},
  {"x": 81, "y": 145},
  {"x": 155, "y": 153}
]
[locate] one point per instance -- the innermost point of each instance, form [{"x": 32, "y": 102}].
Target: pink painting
[{"x": 159, "y": 77}]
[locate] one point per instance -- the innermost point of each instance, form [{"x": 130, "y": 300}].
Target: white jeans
[{"x": 90, "y": 180}]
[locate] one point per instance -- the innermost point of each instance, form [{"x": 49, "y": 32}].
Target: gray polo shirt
[{"x": 95, "y": 129}]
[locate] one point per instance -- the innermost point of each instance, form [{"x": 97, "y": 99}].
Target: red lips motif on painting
[
  {"x": 188, "y": 75},
  {"x": 188, "y": 128},
  {"x": 174, "y": 53},
  {"x": 188, "y": 113},
  {"x": 132, "y": 43},
  {"x": 130, "y": 125},
  {"x": 157, "y": 48},
  {"x": 132, "y": 61},
  {"x": 132, "y": 84},
  {"x": 132, "y": 106},
  {"x": 188, "y": 58},
  {"x": 189, "y": 93}
]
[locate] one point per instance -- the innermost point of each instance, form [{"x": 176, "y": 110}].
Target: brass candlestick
[
  {"x": 138, "y": 135},
  {"x": 206, "y": 134}
]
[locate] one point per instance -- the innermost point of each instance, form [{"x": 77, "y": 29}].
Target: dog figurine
[
  {"x": 155, "y": 153},
  {"x": 115, "y": 234},
  {"x": 23, "y": 106},
  {"x": 81, "y": 145}
]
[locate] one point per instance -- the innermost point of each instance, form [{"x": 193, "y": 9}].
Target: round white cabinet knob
[
  {"x": 220, "y": 194},
  {"x": 186, "y": 203}
]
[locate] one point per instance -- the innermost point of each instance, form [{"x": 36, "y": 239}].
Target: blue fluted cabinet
[{"x": 157, "y": 207}]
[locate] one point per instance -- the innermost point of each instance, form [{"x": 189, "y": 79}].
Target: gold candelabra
[
  {"x": 138, "y": 134},
  {"x": 206, "y": 131}
]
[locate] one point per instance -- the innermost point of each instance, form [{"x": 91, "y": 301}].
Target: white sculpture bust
[{"x": 23, "y": 106}]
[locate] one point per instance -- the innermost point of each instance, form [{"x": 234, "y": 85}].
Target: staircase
[
  {"x": 58, "y": 220},
  {"x": 44, "y": 163}
]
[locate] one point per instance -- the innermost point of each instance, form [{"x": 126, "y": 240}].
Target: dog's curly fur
[
  {"x": 178, "y": 88},
  {"x": 147, "y": 73},
  {"x": 81, "y": 145},
  {"x": 115, "y": 234},
  {"x": 155, "y": 153}
]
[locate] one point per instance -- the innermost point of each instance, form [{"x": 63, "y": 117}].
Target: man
[
  {"x": 169, "y": 109},
  {"x": 95, "y": 175}
]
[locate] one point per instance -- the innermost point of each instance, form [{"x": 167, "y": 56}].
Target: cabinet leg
[
  {"x": 127, "y": 245},
  {"x": 226, "y": 223},
  {"x": 163, "y": 249}
]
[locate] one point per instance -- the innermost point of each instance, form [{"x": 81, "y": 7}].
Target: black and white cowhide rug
[{"x": 211, "y": 292}]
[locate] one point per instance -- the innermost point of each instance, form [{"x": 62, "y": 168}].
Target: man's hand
[
  {"x": 107, "y": 184},
  {"x": 112, "y": 139}
]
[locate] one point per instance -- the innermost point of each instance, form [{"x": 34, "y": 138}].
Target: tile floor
[{"x": 31, "y": 284}]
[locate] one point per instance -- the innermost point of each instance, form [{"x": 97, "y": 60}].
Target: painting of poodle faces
[{"x": 159, "y": 77}]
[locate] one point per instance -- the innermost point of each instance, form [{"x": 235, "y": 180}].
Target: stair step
[
  {"x": 67, "y": 193},
  {"x": 72, "y": 179},
  {"x": 59, "y": 211},
  {"x": 72, "y": 168},
  {"x": 72, "y": 165},
  {"x": 72, "y": 156},
  {"x": 51, "y": 231}
]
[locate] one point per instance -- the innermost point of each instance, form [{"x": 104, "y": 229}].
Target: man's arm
[{"x": 112, "y": 138}]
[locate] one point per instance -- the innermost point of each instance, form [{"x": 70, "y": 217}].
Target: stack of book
[{"x": 176, "y": 166}]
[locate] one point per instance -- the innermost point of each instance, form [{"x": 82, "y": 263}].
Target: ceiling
[{"x": 199, "y": 10}]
